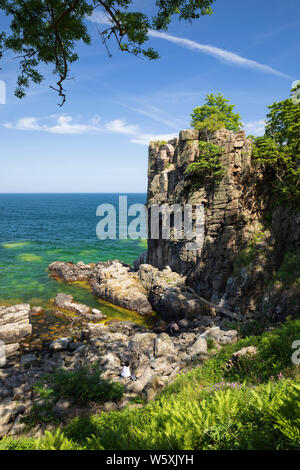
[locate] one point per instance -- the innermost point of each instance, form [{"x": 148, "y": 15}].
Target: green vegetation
[
  {"x": 289, "y": 272},
  {"x": 215, "y": 114},
  {"x": 249, "y": 254},
  {"x": 48, "y": 32},
  {"x": 40, "y": 415},
  {"x": 207, "y": 164},
  {"x": 253, "y": 405},
  {"x": 158, "y": 142},
  {"x": 278, "y": 151},
  {"x": 82, "y": 385}
]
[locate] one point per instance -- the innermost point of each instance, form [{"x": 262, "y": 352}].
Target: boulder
[
  {"x": 189, "y": 134},
  {"x": 229, "y": 337},
  {"x": 60, "y": 344},
  {"x": 4, "y": 392},
  {"x": 162, "y": 366},
  {"x": 220, "y": 336},
  {"x": 198, "y": 348},
  {"x": 142, "y": 343},
  {"x": 249, "y": 351},
  {"x": 140, "y": 383},
  {"x": 110, "y": 406},
  {"x": 36, "y": 311},
  {"x": 70, "y": 272},
  {"x": 164, "y": 346},
  {"x": 28, "y": 360},
  {"x": 14, "y": 326},
  {"x": 110, "y": 360},
  {"x": 96, "y": 330},
  {"x": 67, "y": 302},
  {"x": 116, "y": 283}
]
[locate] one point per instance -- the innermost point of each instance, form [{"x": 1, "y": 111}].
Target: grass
[{"x": 254, "y": 405}]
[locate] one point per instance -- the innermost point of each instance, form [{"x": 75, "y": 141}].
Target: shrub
[
  {"x": 207, "y": 163},
  {"x": 82, "y": 385}
]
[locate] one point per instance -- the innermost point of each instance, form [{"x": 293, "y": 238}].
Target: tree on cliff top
[
  {"x": 278, "y": 151},
  {"x": 48, "y": 31},
  {"x": 215, "y": 114}
]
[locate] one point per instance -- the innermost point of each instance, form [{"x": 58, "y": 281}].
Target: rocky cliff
[{"x": 249, "y": 261}]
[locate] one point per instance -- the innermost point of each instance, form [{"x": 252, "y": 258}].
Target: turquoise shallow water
[{"x": 37, "y": 229}]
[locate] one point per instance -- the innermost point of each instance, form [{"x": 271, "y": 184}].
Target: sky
[{"x": 97, "y": 142}]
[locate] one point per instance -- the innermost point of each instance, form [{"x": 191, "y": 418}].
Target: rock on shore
[
  {"x": 156, "y": 359},
  {"x": 67, "y": 302},
  {"x": 112, "y": 281},
  {"x": 14, "y": 326},
  {"x": 116, "y": 283},
  {"x": 142, "y": 291}
]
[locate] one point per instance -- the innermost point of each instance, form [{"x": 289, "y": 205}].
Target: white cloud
[
  {"x": 156, "y": 114},
  {"x": 63, "y": 125},
  {"x": 225, "y": 56},
  {"x": 144, "y": 139},
  {"x": 99, "y": 17},
  {"x": 67, "y": 125},
  {"x": 119, "y": 126},
  {"x": 255, "y": 127},
  {"x": 221, "y": 54}
]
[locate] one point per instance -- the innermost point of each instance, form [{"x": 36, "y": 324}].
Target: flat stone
[
  {"x": 164, "y": 346},
  {"x": 60, "y": 344},
  {"x": 4, "y": 392},
  {"x": 28, "y": 360},
  {"x": 189, "y": 134},
  {"x": 198, "y": 348},
  {"x": 110, "y": 406}
]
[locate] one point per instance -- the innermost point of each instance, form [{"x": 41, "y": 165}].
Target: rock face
[
  {"x": 14, "y": 326},
  {"x": 220, "y": 271}
]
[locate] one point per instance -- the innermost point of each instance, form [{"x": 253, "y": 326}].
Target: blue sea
[{"x": 37, "y": 229}]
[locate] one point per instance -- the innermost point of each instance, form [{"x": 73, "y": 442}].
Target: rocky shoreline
[
  {"x": 156, "y": 359},
  {"x": 143, "y": 290},
  {"x": 155, "y": 356}
]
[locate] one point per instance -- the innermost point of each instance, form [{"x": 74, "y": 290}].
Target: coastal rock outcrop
[
  {"x": 65, "y": 301},
  {"x": 234, "y": 268},
  {"x": 71, "y": 272},
  {"x": 118, "y": 284},
  {"x": 14, "y": 326},
  {"x": 112, "y": 281}
]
